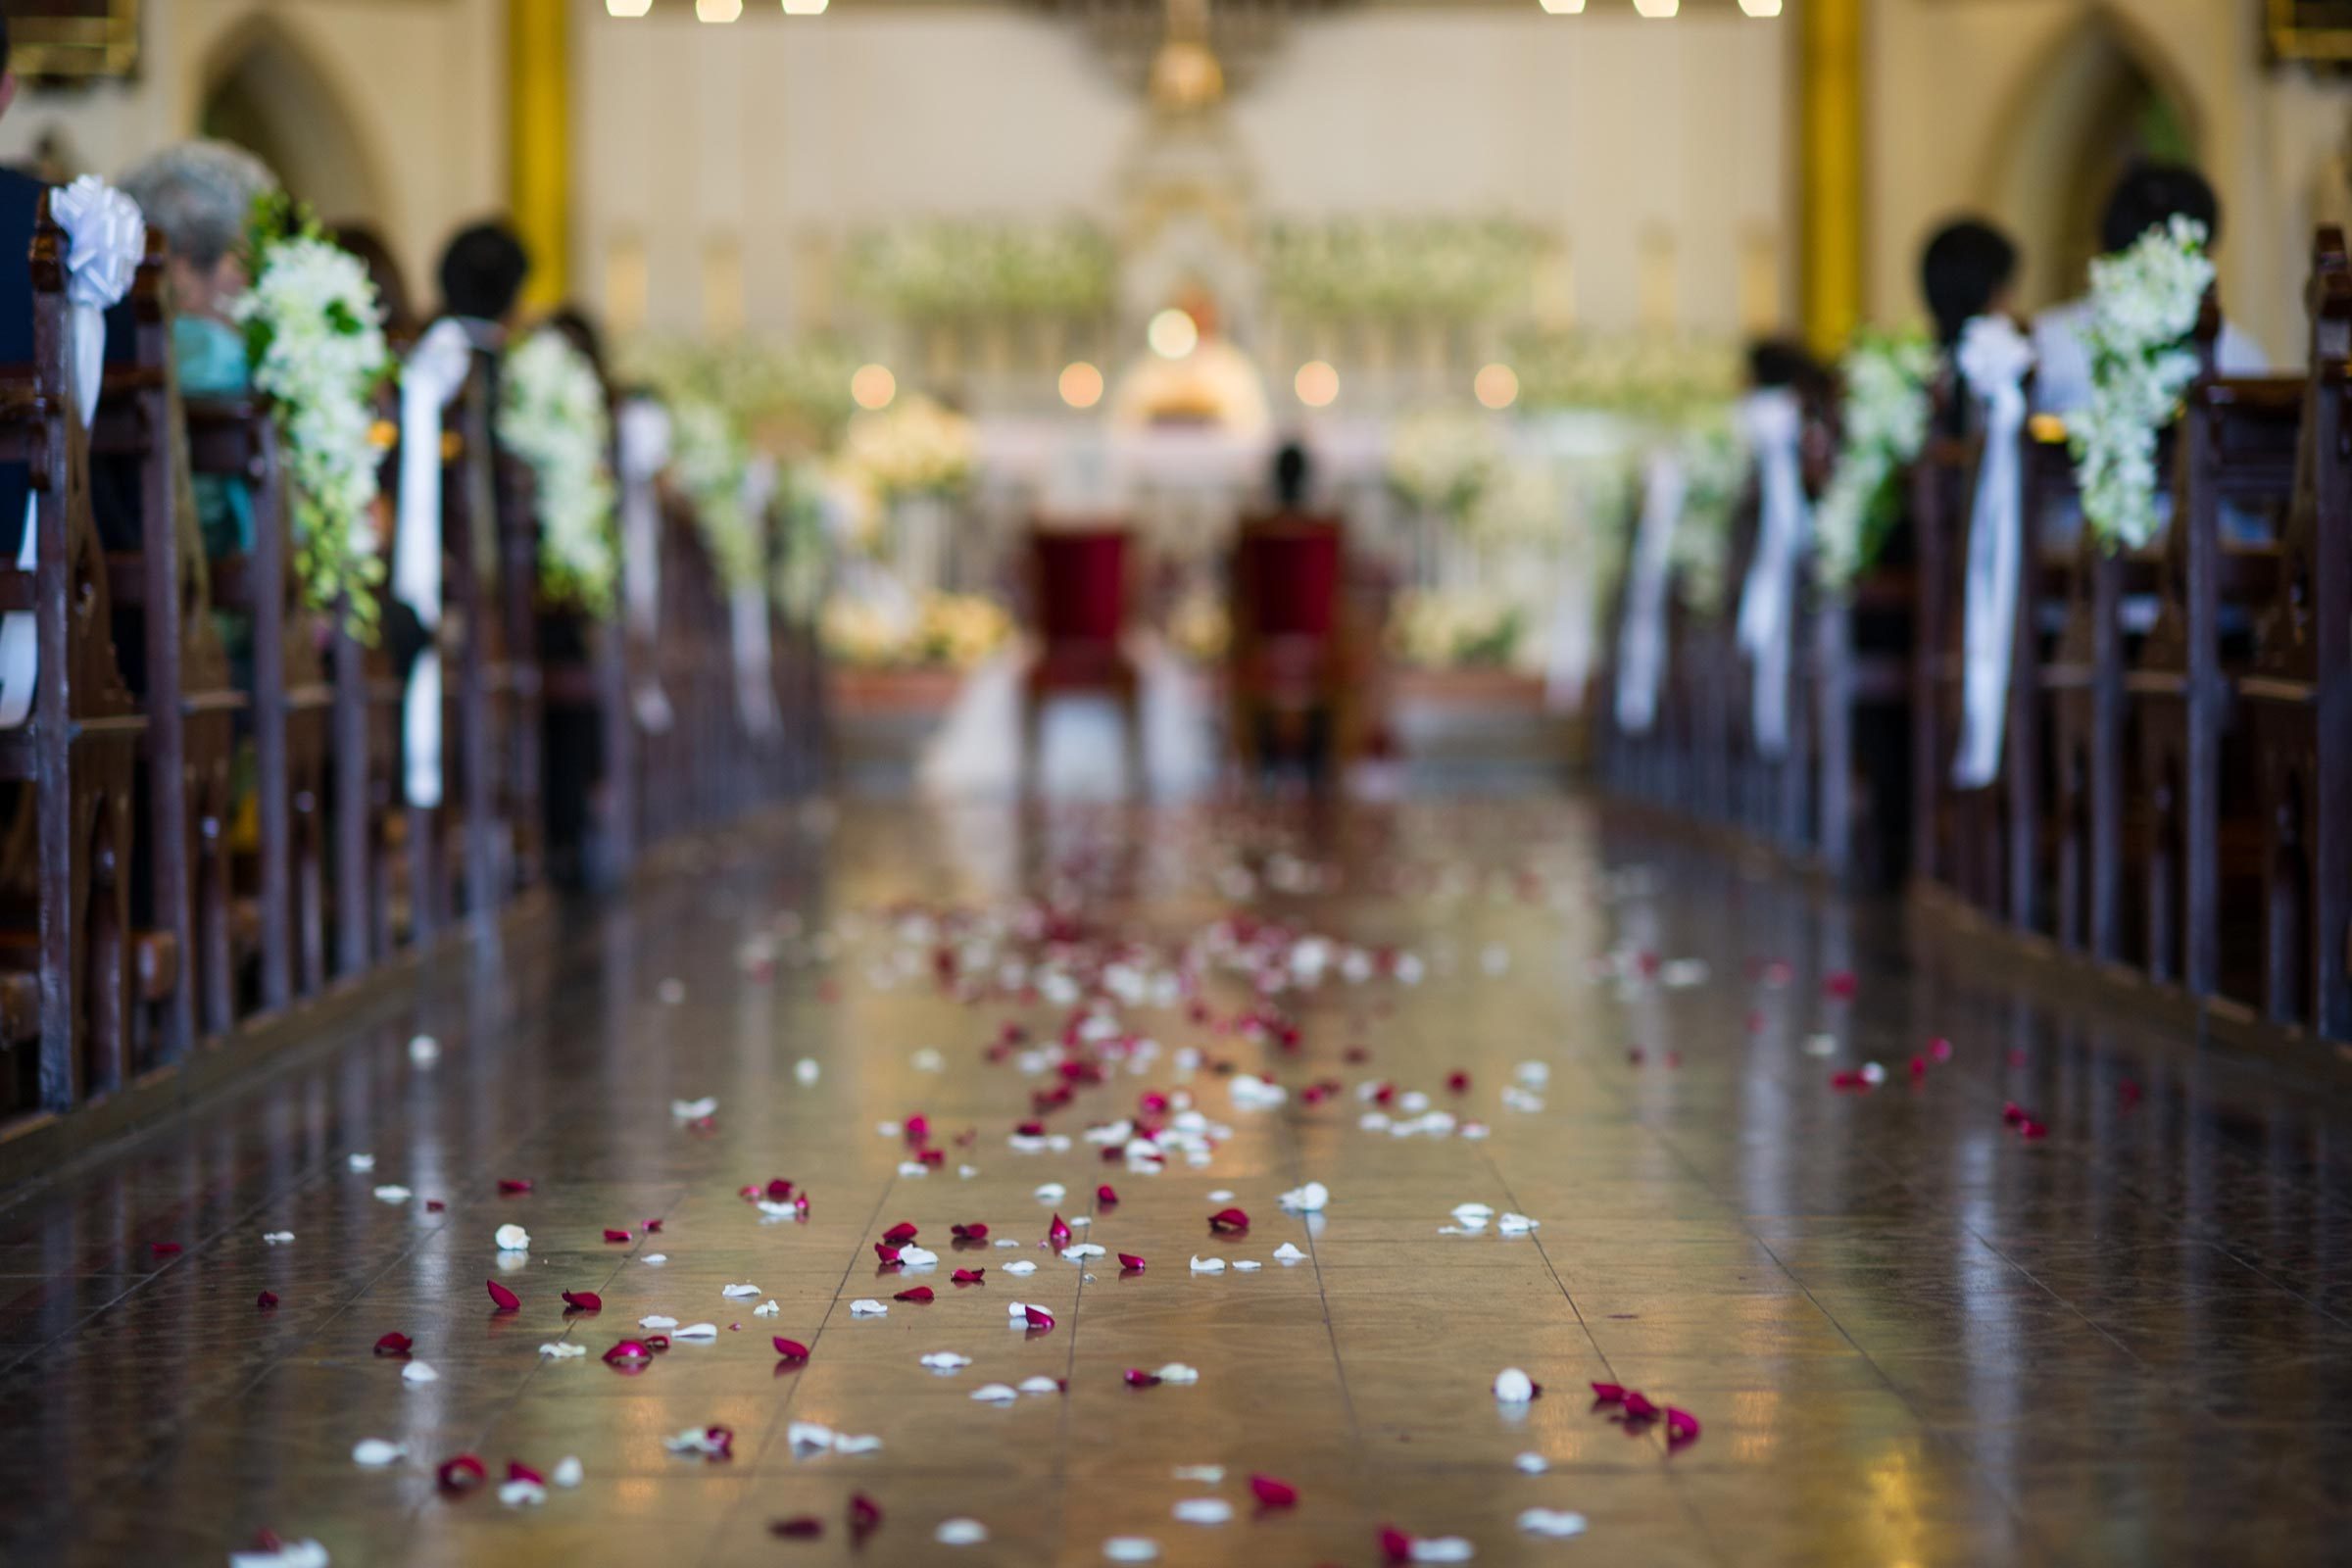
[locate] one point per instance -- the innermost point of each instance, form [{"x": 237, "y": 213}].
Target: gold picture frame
[{"x": 72, "y": 40}]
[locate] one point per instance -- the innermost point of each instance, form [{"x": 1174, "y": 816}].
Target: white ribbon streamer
[
  {"x": 747, "y": 613},
  {"x": 1774, "y": 421},
  {"x": 106, "y": 237},
  {"x": 436, "y": 369},
  {"x": 1993, "y": 358},
  {"x": 1642, "y": 635},
  {"x": 642, "y": 434}
]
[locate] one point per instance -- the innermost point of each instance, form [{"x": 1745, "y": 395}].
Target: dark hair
[
  {"x": 579, "y": 329},
  {"x": 482, "y": 271},
  {"x": 2151, "y": 194},
  {"x": 383, "y": 271},
  {"x": 1778, "y": 362},
  {"x": 1292, "y": 465},
  {"x": 1966, "y": 266}
]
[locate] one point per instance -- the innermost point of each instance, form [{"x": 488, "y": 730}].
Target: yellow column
[
  {"x": 539, "y": 140},
  {"x": 1830, "y": 149}
]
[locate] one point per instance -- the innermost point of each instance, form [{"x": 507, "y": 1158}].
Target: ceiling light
[
  {"x": 1172, "y": 334},
  {"x": 1316, "y": 384},
  {"x": 873, "y": 386}
]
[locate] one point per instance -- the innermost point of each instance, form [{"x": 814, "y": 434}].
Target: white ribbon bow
[
  {"x": 1773, "y": 422},
  {"x": 1642, "y": 635},
  {"x": 106, "y": 238},
  {"x": 747, "y": 612},
  {"x": 435, "y": 371},
  {"x": 641, "y": 434},
  {"x": 1993, "y": 358}
]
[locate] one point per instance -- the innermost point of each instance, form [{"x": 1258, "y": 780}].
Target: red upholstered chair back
[
  {"x": 1288, "y": 577},
  {"x": 1081, "y": 584}
]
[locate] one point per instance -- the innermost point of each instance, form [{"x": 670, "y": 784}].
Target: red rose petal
[
  {"x": 507, "y": 1299},
  {"x": 901, "y": 1234},
  {"x": 918, "y": 1127},
  {"x": 1681, "y": 1427},
  {"x": 163, "y": 1248},
  {"x": 1395, "y": 1545},
  {"x": 1229, "y": 1220},
  {"x": 2011, "y": 1113},
  {"x": 395, "y": 1344},
  {"x": 722, "y": 1441},
  {"x": 517, "y": 1470},
  {"x": 1272, "y": 1493},
  {"x": 630, "y": 1354},
  {"x": 651, "y": 1225},
  {"x": 1638, "y": 1406},
  {"x": 1137, "y": 1377},
  {"x": 865, "y": 1513},
  {"x": 1940, "y": 1048},
  {"x": 887, "y": 1253},
  {"x": 1106, "y": 1194},
  {"x": 657, "y": 1343},
  {"x": 1839, "y": 983},
  {"x": 1039, "y": 1317},
  {"x": 2032, "y": 1129},
  {"x": 434, "y": 1205},
  {"x": 790, "y": 1350},
  {"x": 1458, "y": 1082},
  {"x": 968, "y": 1276},
  {"x": 968, "y": 1233},
  {"x": 617, "y": 1236},
  {"x": 800, "y": 1527},
  {"x": 514, "y": 1184},
  {"x": 583, "y": 1300},
  {"x": 1059, "y": 1233},
  {"x": 1608, "y": 1393},
  {"x": 921, "y": 1292},
  {"x": 1131, "y": 1263},
  {"x": 461, "y": 1474},
  {"x": 778, "y": 1190},
  {"x": 265, "y": 1301}
]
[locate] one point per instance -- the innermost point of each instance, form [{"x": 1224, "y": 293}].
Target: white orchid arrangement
[
  {"x": 707, "y": 463},
  {"x": 916, "y": 447},
  {"x": 1443, "y": 461},
  {"x": 313, "y": 335},
  {"x": 1883, "y": 422},
  {"x": 2144, "y": 301},
  {"x": 552, "y": 414}
]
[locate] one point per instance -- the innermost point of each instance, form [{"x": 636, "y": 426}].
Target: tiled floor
[{"x": 1910, "y": 1333}]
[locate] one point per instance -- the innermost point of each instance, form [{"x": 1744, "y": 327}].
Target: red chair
[
  {"x": 1080, "y": 582},
  {"x": 1289, "y": 660}
]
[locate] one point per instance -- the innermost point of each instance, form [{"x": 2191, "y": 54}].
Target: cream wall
[
  {"x": 422, "y": 84},
  {"x": 769, "y": 130},
  {"x": 1959, "y": 87}
]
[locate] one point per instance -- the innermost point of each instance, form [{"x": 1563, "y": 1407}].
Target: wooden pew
[
  {"x": 66, "y": 991},
  {"x": 2298, "y": 693}
]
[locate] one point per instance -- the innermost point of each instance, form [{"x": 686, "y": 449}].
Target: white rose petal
[
  {"x": 654, "y": 1259},
  {"x": 563, "y": 1350},
  {"x": 276, "y": 1238},
  {"x": 996, "y": 1394},
  {"x": 425, "y": 1050},
  {"x": 392, "y": 1193},
  {"x": 739, "y": 1292},
  {"x": 704, "y": 1332},
  {"x": 362, "y": 1162},
  {"x": 846, "y": 1443},
  {"x": 657, "y": 1321},
  {"x": 960, "y": 1533},
  {"x": 1178, "y": 1372},
  {"x": 867, "y": 1307},
  {"x": 521, "y": 1494},
  {"x": 569, "y": 1472},
  {"x": 808, "y": 1436},
  {"x": 694, "y": 1110},
  {"x": 376, "y": 1453},
  {"x": 1223, "y": 1194},
  {"x": 1208, "y": 1265},
  {"x": 292, "y": 1554},
  {"x": 1516, "y": 1224},
  {"x": 1556, "y": 1522},
  {"x": 945, "y": 1361},
  {"x": 1443, "y": 1548},
  {"x": 512, "y": 1238},
  {"x": 805, "y": 1069},
  {"x": 1130, "y": 1548},
  {"x": 1207, "y": 1474},
  {"x": 1532, "y": 1464},
  {"x": 914, "y": 1167},
  {"x": 1019, "y": 1266},
  {"x": 918, "y": 1258},
  {"x": 767, "y": 1308},
  {"x": 1203, "y": 1512},
  {"x": 1308, "y": 1200},
  {"x": 1039, "y": 1386},
  {"x": 1081, "y": 1252},
  {"x": 419, "y": 1372},
  {"x": 1052, "y": 1192},
  {"x": 1287, "y": 1253},
  {"x": 1247, "y": 1265},
  {"x": 1513, "y": 1387}
]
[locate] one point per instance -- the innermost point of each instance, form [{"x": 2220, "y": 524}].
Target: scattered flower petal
[
  {"x": 512, "y": 1238},
  {"x": 1308, "y": 1200},
  {"x": 419, "y": 1372},
  {"x": 960, "y": 1533},
  {"x": 921, "y": 1293},
  {"x": 1229, "y": 1220},
  {"x": 1514, "y": 1387},
  {"x": 583, "y": 1300},
  {"x": 1273, "y": 1493},
  {"x": 1203, "y": 1512},
  {"x": 867, "y": 1307},
  {"x": 373, "y": 1454},
  {"x": 790, "y": 1350},
  {"x": 507, "y": 1301}
]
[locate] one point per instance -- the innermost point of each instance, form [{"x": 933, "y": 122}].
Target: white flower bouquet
[
  {"x": 313, "y": 335},
  {"x": 1883, "y": 423},
  {"x": 553, "y": 415},
  {"x": 709, "y": 460},
  {"x": 1442, "y": 462},
  {"x": 2144, "y": 301},
  {"x": 1452, "y": 629},
  {"x": 914, "y": 448}
]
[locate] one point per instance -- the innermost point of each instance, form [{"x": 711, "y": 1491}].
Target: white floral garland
[
  {"x": 2144, "y": 301},
  {"x": 1883, "y": 423},
  {"x": 1443, "y": 461},
  {"x": 315, "y": 333},
  {"x": 551, "y": 414},
  {"x": 708, "y": 458}
]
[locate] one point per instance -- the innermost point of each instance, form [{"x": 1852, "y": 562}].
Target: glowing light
[
  {"x": 1565, "y": 8},
  {"x": 803, "y": 8},
  {"x": 1761, "y": 8},
  {"x": 1081, "y": 385},
  {"x": 873, "y": 386},
  {"x": 1172, "y": 334},
  {"x": 1657, "y": 10},
  {"x": 627, "y": 8},
  {"x": 718, "y": 10},
  {"x": 1316, "y": 384},
  {"x": 1496, "y": 386}
]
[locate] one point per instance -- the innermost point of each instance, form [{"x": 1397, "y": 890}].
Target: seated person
[
  {"x": 482, "y": 275},
  {"x": 1967, "y": 271},
  {"x": 2148, "y": 196}
]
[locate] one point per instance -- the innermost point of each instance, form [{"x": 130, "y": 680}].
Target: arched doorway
[
  {"x": 266, "y": 95},
  {"x": 2102, "y": 100}
]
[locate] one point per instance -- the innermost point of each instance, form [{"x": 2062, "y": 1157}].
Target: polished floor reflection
[{"x": 2051, "y": 1287}]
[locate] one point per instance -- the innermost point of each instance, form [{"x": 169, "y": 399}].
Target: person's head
[
  {"x": 482, "y": 271},
  {"x": 1778, "y": 362},
  {"x": 8, "y": 71},
  {"x": 199, "y": 196},
  {"x": 383, "y": 271},
  {"x": 1291, "y": 468},
  {"x": 1966, "y": 272},
  {"x": 2152, "y": 194}
]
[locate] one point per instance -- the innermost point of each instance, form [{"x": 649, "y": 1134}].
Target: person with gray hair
[{"x": 199, "y": 195}]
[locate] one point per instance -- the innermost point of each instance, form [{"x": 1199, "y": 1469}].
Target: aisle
[{"x": 2115, "y": 1324}]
